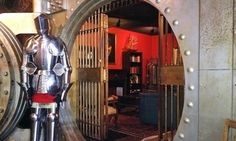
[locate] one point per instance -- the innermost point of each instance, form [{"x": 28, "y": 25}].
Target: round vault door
[
  {"x": 12, "y": 103},
  {"x": 183, "y": 17}
]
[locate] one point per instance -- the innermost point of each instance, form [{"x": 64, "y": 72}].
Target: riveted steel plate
[
  {"x": 216, "y": 34},
  {"x": 11, "y": 98},
  {"x": 217, "y": 90},
  {"x": 186, "y": 13}
]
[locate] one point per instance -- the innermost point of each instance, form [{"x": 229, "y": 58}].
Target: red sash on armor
[{"x": 43, "y": 98}]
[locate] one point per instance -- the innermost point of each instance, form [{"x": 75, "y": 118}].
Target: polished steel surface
[
  {"x": 47, "y": 55},
  {"x": 45, "y": 52}
]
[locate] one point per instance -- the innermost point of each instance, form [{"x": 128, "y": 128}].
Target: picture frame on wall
[{"x": 111, "y": 48}]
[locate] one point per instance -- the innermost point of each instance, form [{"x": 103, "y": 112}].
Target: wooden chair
[{"x": 228, "y": 123}]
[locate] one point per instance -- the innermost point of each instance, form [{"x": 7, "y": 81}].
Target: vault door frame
[{"x": 183, "y": 17}]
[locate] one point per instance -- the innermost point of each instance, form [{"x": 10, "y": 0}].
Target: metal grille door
[{"x": 92, "y": 76}]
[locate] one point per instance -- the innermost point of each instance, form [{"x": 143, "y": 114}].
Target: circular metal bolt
[
  {"x": 1, "y": 110},
  {"x": 187, "y": 52},
  {"x": 190, "y": 104},
  {"x": 167, "y": 10},
  {"x": 6, "y": 74},
  {"x": 187, "y": 120},
  {"x": 72, "y": 9},
  {"x": 158, "y": 1},
  {"x": 181, "y": 135},
  {"x": 182, "y": 37},
  {"x": 190, "y": 69},
  {"x": 6, "y": 92},
  {"x": 191, "y": 87},
  {"x": 175, "y": 22}
]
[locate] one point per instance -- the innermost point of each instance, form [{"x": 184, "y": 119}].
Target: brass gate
[{"x": 92, "y": 76}]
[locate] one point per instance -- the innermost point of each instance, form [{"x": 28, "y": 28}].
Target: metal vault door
[
  {"x": 183, "y": 17},
  {"x": 12, "y": 102},
  {"x": 92, "y": 73}
]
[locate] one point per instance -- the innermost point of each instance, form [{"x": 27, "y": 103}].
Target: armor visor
[{"x": 42, "y": 24}]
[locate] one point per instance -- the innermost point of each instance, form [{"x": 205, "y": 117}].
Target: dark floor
[
  {"x": 129, "y": 124},
  {"x": 130, "y": 128},
  {"x": 117, "y": 136}
]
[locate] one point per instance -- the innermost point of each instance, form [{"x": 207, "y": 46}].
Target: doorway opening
[{"x": 127, "y": 61}]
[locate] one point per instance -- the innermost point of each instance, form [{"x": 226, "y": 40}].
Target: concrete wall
[{"x": 216, "y": 89}]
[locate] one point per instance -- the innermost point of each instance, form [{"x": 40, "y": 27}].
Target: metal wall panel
[
  {"x": 216, "y": 42},
  {"x": 216, "y": 26},
  {"x": 215, "y": 103},
  {"x": 234, "y": 99},
  {"x": 234, "y": 65},
  {"x": 234, "y": 36}
]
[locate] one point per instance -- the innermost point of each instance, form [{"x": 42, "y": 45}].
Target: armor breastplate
[
  {"x": 45, "y": 65},
  {"x": 47, "y": 54}
]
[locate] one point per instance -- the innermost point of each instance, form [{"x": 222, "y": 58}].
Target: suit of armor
[{"x": 45, "y": 75}]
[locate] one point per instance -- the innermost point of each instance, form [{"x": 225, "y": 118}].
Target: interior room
[
  {"x": 145, "y": 70},
  {"x": 134, "y": 70}
]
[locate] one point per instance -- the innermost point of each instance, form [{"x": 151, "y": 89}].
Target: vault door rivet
[
  {"x": 175, "y": 22},
  {"x": 187, "y": 120},
  {"x": 167, "y": 10},
  {"x": 190, "y": 69},
  {"x": 187, "y": 52},
  {"x": 6, "y": 92},
  {"x": 6, "y": 74},
  {"x": 181, "y": 135},
  {"x": 190, "y": 104},
  {"x": 191, "y": 87},
  {"x": 182, "y": 37},
  {"x": 1, "y": 110}
]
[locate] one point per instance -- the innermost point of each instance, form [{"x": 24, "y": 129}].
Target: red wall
[
  {"x": 147, "y": 44},
  {"x": 144, "y": 45}
]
